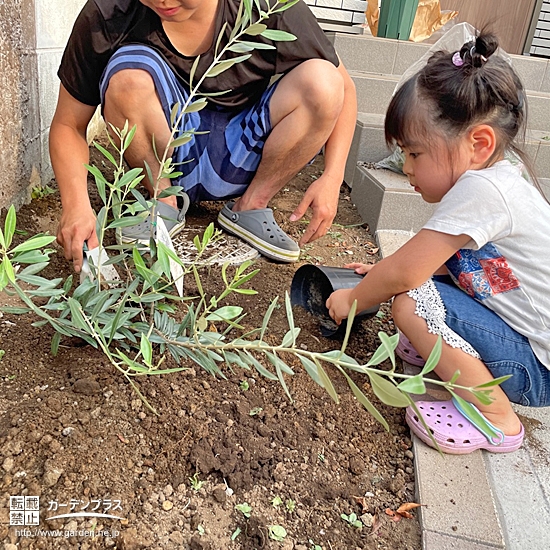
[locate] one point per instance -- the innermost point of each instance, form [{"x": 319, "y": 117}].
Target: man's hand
[
  {"x": 322, "y": 198},
  {"x": 75, "y": 227},
  {"x": 339, "y": 303}
]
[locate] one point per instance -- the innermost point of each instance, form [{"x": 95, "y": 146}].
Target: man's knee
[
  {"x": 129, "y": 85},
  {"x": 319, "y": 86}
]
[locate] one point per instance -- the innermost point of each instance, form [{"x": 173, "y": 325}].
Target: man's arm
[
  {"x": 322, "y": 195},
  {"x": 69, "y": 153}
]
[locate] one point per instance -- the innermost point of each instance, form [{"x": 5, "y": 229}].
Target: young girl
[{"x": 478, "y": 272}]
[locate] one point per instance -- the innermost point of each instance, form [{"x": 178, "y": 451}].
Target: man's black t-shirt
[{"x": 103, "y": 26}]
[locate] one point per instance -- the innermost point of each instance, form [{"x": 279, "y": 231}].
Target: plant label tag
[
  {"x": 177, "y": 271},
  {"x": 98, "y": 260}
]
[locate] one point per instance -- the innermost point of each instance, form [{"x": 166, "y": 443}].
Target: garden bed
[{"x": 75, "y": 433}]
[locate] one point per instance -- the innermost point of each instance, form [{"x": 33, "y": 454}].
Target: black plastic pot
[{"x": 312, "y": 285}]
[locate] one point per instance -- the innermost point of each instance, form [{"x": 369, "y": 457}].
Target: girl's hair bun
[{"x": 479, "y": 50}]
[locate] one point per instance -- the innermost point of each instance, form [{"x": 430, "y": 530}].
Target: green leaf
[
  {"x": 494, "y": 382},
  {"x": 327, "y": 382},
  {"x": 170, "y": 191},
  {"x": 256, "y": 29},
  {"x": 220, "y": 37},
  {"x": 258, "y": 366},
  {"x": 239, "y": 47},
  {"x": 279, "y": 36},
  {"x": 233, "y": 358},
  {"x": 383, "y": 351},
  {"x": 130, "y": 136},
  {"x": 196, "y": 105},
  {"x": 193, "y": 71},
  {"x": 248, "y": 8},
  {"x": 225, "y": 313},
  {"x": 146, "y": 350},
  {"x": 387, "y": 392},
  {"x": 365, "y": 401},
  {"x": 163, "y": 258},
  {"x": 267, "y": 316},
  {"x": 224, "y": 65},
  {"x": 105, "y": 153},
  {"x": 3, "y": 277},
  {"x": 33, "y": 257},
  {"x": 8, "y": 270},
  {"x": 389, "y": 343},
  {"x": 434, "y": 357},
  {"x": 182, "y": 140},
  {"x": 128, "y": 221},
  {"x": 33, "y": 269},
  {"x": 255, "y": 45},
  {"x": 41, "y": 282},
  {"x": 311, "y": 369},
  {"x": 56, "y": 339},
  {"x": 289, "y": 339},
  {"x": 174, "y": 114},
  {"x": 413, "y": 385},
  {"x": 76, "y": 313},
  {"x": 349, "y": 324},
  {"x": 290, "y": 318},
  {"x": 133, "y": 176},
  {"x": 33, "y": 243},
  {"x": 15, "y": 310},
  {"x": 9, "y": 226}
]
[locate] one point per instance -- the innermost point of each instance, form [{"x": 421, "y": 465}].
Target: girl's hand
[
  {"x": 339, "y": 304},
  {"x": 361, "y": 269}
]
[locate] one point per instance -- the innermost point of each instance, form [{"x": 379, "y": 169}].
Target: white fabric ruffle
[{"x": 431, "y": 308}]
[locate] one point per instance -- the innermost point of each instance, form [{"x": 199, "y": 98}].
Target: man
[{"x": 135, "y": 56}]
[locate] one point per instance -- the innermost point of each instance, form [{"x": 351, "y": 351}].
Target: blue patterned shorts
[
  {"x": 220, "y": 163},
  {"x": 503, "y": 350}
]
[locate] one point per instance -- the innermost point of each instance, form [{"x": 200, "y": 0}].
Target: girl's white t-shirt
[{"x": 506, "y": 265}]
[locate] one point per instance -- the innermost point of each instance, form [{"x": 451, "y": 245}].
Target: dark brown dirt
[{"x": 74, "y": 433}]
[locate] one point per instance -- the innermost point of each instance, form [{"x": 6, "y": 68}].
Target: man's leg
[
  {"x": 131, "y": 96},
  {"x": 303, "y": 110}
]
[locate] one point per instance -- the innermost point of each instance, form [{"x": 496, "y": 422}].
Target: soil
[{"x": 74, "y": 433}]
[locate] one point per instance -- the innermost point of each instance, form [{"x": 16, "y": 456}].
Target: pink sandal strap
[{"x": 406, "y": 351}]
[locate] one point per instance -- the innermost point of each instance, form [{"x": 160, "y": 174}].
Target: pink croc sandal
[
  {"x": 405, "y": 351},
  {"x": 458, "y": 431}
]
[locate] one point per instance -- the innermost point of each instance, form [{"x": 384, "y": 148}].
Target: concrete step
[
  {"x": 374, "y": 93},
  {"x": 369, "y": 145},
  {"x": 387, "y": 56},
  {"x": 385, "y": 200}
]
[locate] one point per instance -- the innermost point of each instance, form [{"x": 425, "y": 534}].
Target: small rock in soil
[{"x": 87, "y": 386}]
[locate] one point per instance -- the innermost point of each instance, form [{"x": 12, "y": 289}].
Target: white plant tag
[
  {"x": 177, "y": 271},
  {"x": 98, "y": 260}
]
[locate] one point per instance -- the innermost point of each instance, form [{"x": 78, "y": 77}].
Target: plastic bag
[{"x": 429, "y": 18}]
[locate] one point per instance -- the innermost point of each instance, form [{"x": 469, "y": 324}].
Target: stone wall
[{"x": 33, "y": 34}]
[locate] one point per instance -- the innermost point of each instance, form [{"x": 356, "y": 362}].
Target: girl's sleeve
[{"x": 475, "y": 207}]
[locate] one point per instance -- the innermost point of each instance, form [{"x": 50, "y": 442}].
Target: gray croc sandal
[
  {"x": 173, "y": 218},
  {"x": 260, "y": 230}
]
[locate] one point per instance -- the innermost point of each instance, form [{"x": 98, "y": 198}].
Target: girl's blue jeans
[{"x": 501, "y": 348}]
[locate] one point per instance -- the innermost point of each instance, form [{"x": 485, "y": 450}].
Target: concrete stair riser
[
  {"x": 374, "y": 93},
  {"x": 392, "y": 57}
]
